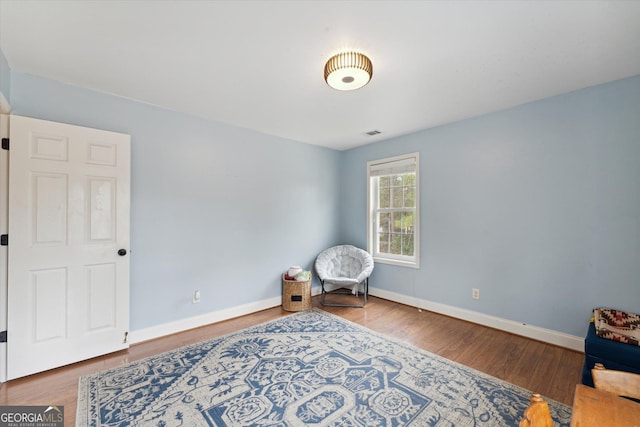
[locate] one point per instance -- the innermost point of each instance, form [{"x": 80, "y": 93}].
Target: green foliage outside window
[{"x": 395, "y": 214}]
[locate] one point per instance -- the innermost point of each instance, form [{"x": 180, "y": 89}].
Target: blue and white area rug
[{"x": 310, "y": 368}]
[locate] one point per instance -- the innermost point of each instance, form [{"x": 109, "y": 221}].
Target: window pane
[
  {"x": 409, "y": 197},
  {"x": 409, "y": 180},
  {"x": 395, "y": 233},
  {"x": 384, "y": 221},
  {"x": 396, "y": 244},
  {"x": 406, "y": 222},
  {"x": 383, "y": 239},
  {"x": 407, "y": 244},
  {"x": 384, "y": 182},
  {"x": 397, "y": 222},
  {"x": 401, "y": 192},
  {"x": 397, "y": 196},
  {"x": 384, "y": 197}
]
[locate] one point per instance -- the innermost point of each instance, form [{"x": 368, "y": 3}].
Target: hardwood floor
[{"x": 546, "y": 369}]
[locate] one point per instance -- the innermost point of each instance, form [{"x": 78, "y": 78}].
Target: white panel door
[{"x": 68, "y": 273}]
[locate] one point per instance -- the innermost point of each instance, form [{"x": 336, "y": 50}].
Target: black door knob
[{"x": 122, "y": 252}]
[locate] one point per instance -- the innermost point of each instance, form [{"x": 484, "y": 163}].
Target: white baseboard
[
  {"x": 560, "y": 339},
  {"x": 182, "y": 325},
  {"x": 534, "y": 332}
]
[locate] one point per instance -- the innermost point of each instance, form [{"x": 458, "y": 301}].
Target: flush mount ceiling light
[{"x": 348, "y": 71}]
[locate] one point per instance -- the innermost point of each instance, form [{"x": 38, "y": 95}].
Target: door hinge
[
  {"x": 4, "y": 240},
  {"x": 3, "y": 336},
  {"x": 5, "y": 143}
]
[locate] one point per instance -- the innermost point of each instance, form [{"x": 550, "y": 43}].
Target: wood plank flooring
[{"x": 546, "y": 369}]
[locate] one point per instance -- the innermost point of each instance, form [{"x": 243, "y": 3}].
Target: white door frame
[{"x": 4, "y": 227}]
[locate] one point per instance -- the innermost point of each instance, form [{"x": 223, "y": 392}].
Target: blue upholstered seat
[{"x": 612, "y": 354}]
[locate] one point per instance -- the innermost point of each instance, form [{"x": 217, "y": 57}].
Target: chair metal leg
[{"x": 342, "y": 291}]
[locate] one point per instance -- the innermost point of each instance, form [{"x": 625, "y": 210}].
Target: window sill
[{"x": 396, "y": 262}]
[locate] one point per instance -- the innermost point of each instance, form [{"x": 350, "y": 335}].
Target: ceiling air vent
[{"x": 372, "y": 133}]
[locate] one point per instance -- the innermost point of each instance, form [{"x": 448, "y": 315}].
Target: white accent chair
[{"x": 344, "y": 269}]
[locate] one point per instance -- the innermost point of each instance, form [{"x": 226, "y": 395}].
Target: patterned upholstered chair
[
  {"x": 344, "y": 269},
  {"x": 612, "y": 340}
]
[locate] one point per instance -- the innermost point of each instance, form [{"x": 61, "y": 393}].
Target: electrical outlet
[
  {"x": 196, "y": 297},
  {"x": 475, "y": 293}
]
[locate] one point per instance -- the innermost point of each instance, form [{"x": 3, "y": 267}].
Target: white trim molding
[
  {"x": 549, "y": 336},
  {"x": 560, "y": 339},
  {"x": 182, "y": 325},
  {"x": 392, "y": 166},
  {"x": 4, "y": 227}
]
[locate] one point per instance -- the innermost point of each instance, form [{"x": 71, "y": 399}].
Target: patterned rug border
[{"x": 83, "y": 401}]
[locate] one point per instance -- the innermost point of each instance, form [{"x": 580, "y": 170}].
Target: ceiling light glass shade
[{"x": 348, "y": 71}]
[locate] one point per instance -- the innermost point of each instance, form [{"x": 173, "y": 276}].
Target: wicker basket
[{"x": 296, "y": 296}]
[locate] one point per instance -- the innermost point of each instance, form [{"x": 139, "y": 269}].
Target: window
[{"x": 393, "y": 221}]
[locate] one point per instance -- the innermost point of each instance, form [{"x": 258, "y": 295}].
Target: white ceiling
[{"x": 259, "y": 64}]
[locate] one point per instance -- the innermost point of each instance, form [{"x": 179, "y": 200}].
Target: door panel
[
  {"x": 49, "y": 209},
  {"x": 101, "y": 214},
  {"x": 101, "y": 297},
  {"x": 48, "y": 290},
  {"x": 68, "y": 289}
]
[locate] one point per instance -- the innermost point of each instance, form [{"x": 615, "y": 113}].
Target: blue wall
[
  {"x": 213, "y": 207},
  {"x": 538, "y": 206}
]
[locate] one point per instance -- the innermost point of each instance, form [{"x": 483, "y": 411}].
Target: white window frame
[{"x": 402, "y": 161}]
